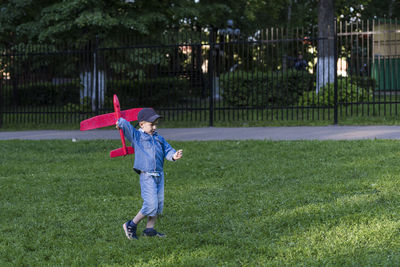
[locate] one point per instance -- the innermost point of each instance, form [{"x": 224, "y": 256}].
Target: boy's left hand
[{"x": 177, "y": 155}]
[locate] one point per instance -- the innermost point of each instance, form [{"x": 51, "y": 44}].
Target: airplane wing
[
  {"x": 108, "y": 119},
  {"x": 131, "y": 114},
  {"x": 98, "y": 122}
]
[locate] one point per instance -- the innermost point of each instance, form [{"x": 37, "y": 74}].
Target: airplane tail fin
[{"x": 120, "y": 152}]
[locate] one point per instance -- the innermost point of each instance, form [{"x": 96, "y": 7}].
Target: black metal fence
[{"x": 209, "y": 76}]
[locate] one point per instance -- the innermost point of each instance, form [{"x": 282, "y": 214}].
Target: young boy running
[{"x": 150, "y": 149}]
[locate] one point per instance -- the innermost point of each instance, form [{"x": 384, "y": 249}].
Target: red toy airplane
[{"x": 110, "y": 119}]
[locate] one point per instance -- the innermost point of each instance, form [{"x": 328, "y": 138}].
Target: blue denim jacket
[{"x": 150, "y": 150}]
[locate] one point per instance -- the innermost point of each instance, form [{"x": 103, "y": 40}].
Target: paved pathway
[{"x": 269, "y": 133}]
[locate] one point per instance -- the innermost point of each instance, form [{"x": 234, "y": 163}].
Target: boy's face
[{"x": 148, "y": 127}]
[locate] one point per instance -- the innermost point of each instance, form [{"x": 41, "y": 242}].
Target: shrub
[
  {"x": 84, "y": 106},
  {"x": 363, "y": 81},
  {"x": 347, "y": 93},
  {"x": 45, "y": 93},
  {"x": 151, "y": 92},
  {"x": 159, "y": 92},
  {"x": 242, "y": 88}
]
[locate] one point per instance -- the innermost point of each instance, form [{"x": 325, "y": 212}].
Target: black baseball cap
[{"x": 147, "y": 114}]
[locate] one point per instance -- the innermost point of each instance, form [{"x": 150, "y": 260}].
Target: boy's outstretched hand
[{"x": 177, "y": 155}]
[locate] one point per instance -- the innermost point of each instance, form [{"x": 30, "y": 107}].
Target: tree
[
  {"x": 18, "y": 21},
  {"x": 388, "y": 9},
  {"x": 326, "y": 49},
  {"x": 80, "y": 20}
]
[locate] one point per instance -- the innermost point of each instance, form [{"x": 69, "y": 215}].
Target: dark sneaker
[
  {"x": 152, "y": 232},
  {"x": 130, "y": 230}
]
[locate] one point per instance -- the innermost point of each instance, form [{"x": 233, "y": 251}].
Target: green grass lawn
[{"x": 228, "y": 203}]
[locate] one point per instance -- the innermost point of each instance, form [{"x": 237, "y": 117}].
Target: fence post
[
  {"x": 96, "y": 75},
  {"x": 211, "y": 76},
  {"x": 1, "y": 101},
  {"x": 335, "y": 58}
]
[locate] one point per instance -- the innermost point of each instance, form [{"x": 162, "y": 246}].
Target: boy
[{"x": 150, "y": 150}]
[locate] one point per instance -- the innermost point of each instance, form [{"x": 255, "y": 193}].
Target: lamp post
[
  {"x": 226, "y": 37},
  {"x": 214, "y": 67},
  {"x": 229, "y": 31}
]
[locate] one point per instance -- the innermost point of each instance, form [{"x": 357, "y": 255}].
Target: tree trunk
[
  {"x": 326, "y": 49},
  {"x": 390, "y": 11},
  {"x": 289, "y": 11}
]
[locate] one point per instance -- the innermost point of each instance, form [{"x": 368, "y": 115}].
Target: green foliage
[
  {"x": 158, "y": 92},
  {"x": 241, "y": 88},
  {"x": 363, "y": 82},
  {"x": 137, "y": 63},
  {"x": 311, "y": 203},
  {"x": 76, "y": 21},
  {"x": 74, "y": 107},
  {"x": 260, "y": 89},
  {"x": 347, "y": 93},
  {"x": 45, "y": 93}
]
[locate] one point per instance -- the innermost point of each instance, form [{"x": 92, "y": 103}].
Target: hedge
[
  {"x": 260, "y": 89},
  {"x": 347, "y": 93},
  {"x": 151, "y": 92},
  {"x": 43, "y": 93},
  {"x": 159, "y": 92}
]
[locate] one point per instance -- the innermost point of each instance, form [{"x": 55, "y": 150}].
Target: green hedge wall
[
  {"x": 43, "y": 93},
  {"x": 347, "y": 93},
  {"x": 152, "y": 92},
  {"x": 261, "y": 89},
  {"x": 159, "y": 92}
]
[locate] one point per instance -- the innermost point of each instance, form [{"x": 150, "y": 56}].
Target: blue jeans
[{"x": 152, "y": 191}]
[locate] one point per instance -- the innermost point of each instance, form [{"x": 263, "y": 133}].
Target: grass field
[{"x": 228, "y": 203}]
